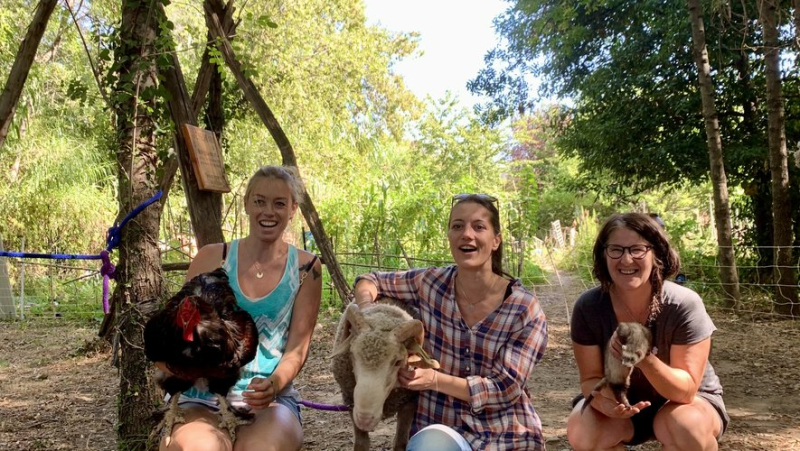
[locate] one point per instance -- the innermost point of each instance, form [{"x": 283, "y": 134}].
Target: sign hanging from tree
[{"x": 206, "y": 155}]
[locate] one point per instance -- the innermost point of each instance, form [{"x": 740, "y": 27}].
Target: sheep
[{"x": 371, "y": 345}]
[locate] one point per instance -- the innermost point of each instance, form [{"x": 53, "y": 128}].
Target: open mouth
[
  {"x": 268, "y": 224},
  {"x": 628, "y": 272},
  {"x": 468, "y": 249}
]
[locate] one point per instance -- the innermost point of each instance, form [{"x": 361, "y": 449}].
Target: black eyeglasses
[
  {"x": 637, "y": 251},
  {"x": 472, "y": 196}
]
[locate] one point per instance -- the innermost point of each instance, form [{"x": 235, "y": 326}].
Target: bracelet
[{"x": 436, "y": 380}]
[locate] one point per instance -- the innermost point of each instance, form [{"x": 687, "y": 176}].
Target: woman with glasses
[
  {"x": 676, "y": 398},
  {"x": 486, "y": 330}
]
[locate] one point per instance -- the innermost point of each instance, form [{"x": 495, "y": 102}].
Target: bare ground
[{"x": 54, "y": 395}]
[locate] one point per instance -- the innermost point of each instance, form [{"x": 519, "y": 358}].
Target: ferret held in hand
[{"x": 636, "y": 343}]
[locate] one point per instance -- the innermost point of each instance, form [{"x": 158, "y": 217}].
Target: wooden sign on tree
[{"x": 206, "y": 156}]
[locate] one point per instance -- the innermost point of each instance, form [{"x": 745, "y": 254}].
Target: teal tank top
[{"x": 272, "y": 314}]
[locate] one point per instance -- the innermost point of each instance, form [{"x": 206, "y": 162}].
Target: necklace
[
  {"x": 624, "y": 307},
  {"x": 259, "y": 272},
  {"x": 470, "y": 303}
]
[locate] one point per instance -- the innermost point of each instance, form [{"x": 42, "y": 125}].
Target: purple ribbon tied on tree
[{"x": 108, "y": 271}]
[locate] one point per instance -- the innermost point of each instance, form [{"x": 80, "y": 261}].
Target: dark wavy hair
[
  {"x": 489, "y": 203},
  {"x": 666, "y": 262}
]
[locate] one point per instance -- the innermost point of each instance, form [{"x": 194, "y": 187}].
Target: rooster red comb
[{"x": 188, "y": 317}]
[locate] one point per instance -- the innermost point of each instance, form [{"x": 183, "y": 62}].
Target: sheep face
[
  {"x": 377, "y": 357},
  {"x": 375, "y": 341}
]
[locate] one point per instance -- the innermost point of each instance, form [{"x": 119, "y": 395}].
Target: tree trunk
[
  {"x": 722, "y": 212},
  {"x": 761, "y": 198},
  {"x": 796, "y": 17},
  {"x": 287, "y": 152},
  {"x": 785, "y": 277},
  {"x": 139, "y": 278},
  {"x": 758, "y": 188},
  {"x": 22, "y": 65},
  {"x": 205, "y": 207}
]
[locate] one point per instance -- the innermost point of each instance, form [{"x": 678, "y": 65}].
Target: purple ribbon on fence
[{"x": 113, "y": 238}]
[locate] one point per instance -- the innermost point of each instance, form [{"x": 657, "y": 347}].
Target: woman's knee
[
  {"x": 581, "y": 431},
  {"x": 438, "y": 437},
  {"x": 196, "y": 437},
  {"x": 587, "y": 431},
  {"x": 686, "y": 425},
  {"x": 275, "y": 428}
]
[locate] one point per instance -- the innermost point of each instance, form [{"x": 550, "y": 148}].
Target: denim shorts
[{"x": 289, "y": 401}]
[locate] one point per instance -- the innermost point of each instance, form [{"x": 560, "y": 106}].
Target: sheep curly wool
[{"x": 377, "y": 341}]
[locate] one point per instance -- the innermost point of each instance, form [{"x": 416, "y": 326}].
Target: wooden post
[
  {"x": 287, "y": 152},
  {"x": 6, "y": 298},
  {"x": 22, "y": 65},
  {"x": 22, "y": 283}
]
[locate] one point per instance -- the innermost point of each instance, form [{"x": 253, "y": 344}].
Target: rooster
[{"x": 201, "y": 336}]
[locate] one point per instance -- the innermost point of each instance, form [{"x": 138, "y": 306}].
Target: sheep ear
[
  {"x": 352, "y": 322},
  {"x": 408, "y": 330}
]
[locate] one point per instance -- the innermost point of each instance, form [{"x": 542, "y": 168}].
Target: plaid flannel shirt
[{"x": 495, "y": 355}]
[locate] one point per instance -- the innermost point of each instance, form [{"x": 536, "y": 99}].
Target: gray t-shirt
[{"x": 683, "y": 320}]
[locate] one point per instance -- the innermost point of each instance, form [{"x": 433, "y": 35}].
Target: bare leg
[
  {"x": 276, "y": 428},
  {"x": 200, "y": 431},
  {"x": 688, "y": 426},
  {"x": 230, "y": 420},
  {"x": 592, "y": 430},
  {"x": 173, "y": 416}
]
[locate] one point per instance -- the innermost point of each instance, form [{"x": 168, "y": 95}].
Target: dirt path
[{"x": 54, "y": 397}]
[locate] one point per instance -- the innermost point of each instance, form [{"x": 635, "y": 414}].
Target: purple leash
[{"x": 327, "y": 407}]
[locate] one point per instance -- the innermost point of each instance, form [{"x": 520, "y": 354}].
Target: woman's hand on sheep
[
  {"x": 260, "y": 393},
  {"x": 417, "y": 379}
]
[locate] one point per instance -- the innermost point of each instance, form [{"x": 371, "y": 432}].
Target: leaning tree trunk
[
  {"x": 205, "y": 207},
  {"x": 287, "y": 153},
  {"x": 22, "y": 65},
  {"x": 207, "y": 77},
  {"x": 139, "y": 278},
  {"x": 722, "y": 212},
  {"x": 785, "y": 276}
]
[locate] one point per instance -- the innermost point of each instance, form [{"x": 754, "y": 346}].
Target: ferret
[{"x": 636, "y": 342}]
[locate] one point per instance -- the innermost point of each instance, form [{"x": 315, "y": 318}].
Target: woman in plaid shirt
[{"x": 486, "y": 330}]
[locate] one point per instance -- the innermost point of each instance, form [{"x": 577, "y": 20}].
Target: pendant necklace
[
  {"x": 471, "y": 304},
  {"x": 259, "y": 273}
]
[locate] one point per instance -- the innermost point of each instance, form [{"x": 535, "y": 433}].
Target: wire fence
[{"x": 72, "y": 290}]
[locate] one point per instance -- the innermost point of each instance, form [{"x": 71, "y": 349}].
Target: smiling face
[
  {"x": 628, "y": 273},
  {"x": 270, "y": 207},
  {"x": 471, "y": 235}
]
